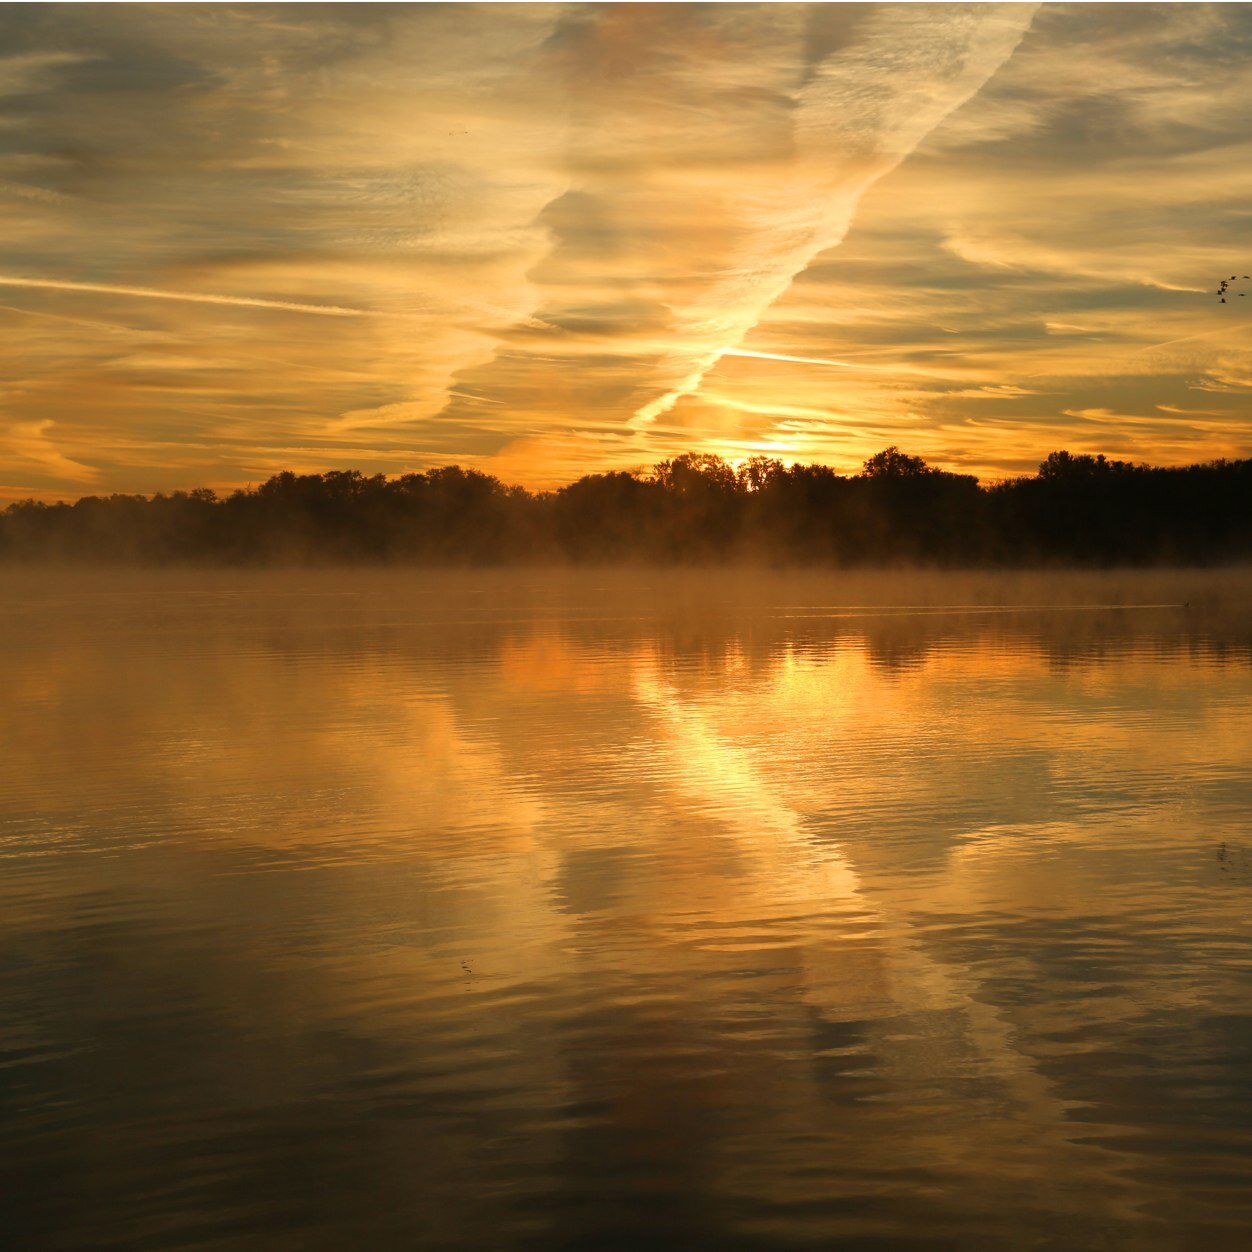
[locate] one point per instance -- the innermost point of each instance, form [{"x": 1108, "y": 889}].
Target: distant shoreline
[{"x": 694, "y": 510}]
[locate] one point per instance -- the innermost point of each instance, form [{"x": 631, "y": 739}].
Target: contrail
[
  {"x": 61, "y": 317},
  {"x": 1208, "y": 334},
  {"x": 153, "y": 293},
  {"x": 864, "y": 112},
  {"x": 1220, "y": 332},
  {"x": 805, "y": 360}
]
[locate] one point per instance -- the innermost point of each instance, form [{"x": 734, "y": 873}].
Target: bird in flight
[{"x": 1223, "y": 288}]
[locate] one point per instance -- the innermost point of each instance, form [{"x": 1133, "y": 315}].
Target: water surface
[{"x": 625, "y": 910}]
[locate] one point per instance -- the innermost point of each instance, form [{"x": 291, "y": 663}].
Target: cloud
[
  {"x": 554, "y": 238},
  {"x": 25, "y": 72},
  {"x": 28, "y": 445},
  {"x": 755, "y": 161}
]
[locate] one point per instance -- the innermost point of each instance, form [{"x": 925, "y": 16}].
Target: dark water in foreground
[{"x": 625, "y": 911}]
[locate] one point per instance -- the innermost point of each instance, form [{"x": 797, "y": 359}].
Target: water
[{"x": 625, "y": 910}]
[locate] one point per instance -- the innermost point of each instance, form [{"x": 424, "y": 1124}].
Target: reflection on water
[{"x": 625, "y": 910}]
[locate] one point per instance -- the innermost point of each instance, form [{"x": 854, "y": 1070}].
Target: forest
[{"x": 1077, "y": 510}]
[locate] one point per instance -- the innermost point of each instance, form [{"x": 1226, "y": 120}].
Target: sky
[{"x": 550, "y": 240}]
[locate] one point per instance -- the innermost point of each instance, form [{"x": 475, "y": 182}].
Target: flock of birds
[{"x": 1224, "y": 286}]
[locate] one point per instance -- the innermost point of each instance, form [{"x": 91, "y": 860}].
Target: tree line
[{"x": 694, "y": 508}]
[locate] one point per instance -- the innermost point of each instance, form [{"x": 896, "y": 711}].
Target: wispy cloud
[
  {"x": 31, "y": 446},
  {"x": 546, "y": 239}
]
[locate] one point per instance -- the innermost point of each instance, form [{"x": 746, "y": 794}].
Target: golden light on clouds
[{"x": 550, "y": 239}]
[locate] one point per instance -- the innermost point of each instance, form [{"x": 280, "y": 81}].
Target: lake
[{"x": 625, "y": 910}]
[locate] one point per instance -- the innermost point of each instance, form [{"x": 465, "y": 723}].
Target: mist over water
[{"x": 625, "y": 909}]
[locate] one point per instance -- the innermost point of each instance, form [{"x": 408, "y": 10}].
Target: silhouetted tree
[
  {"x": 1077, "y": 509},
  {"x": 608, "y": 517},
  {"x": 700, "y": 495},
  {"x": 892, "y": 463}
]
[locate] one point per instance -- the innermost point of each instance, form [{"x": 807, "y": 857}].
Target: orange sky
[{"x": 550, "y": 239}]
